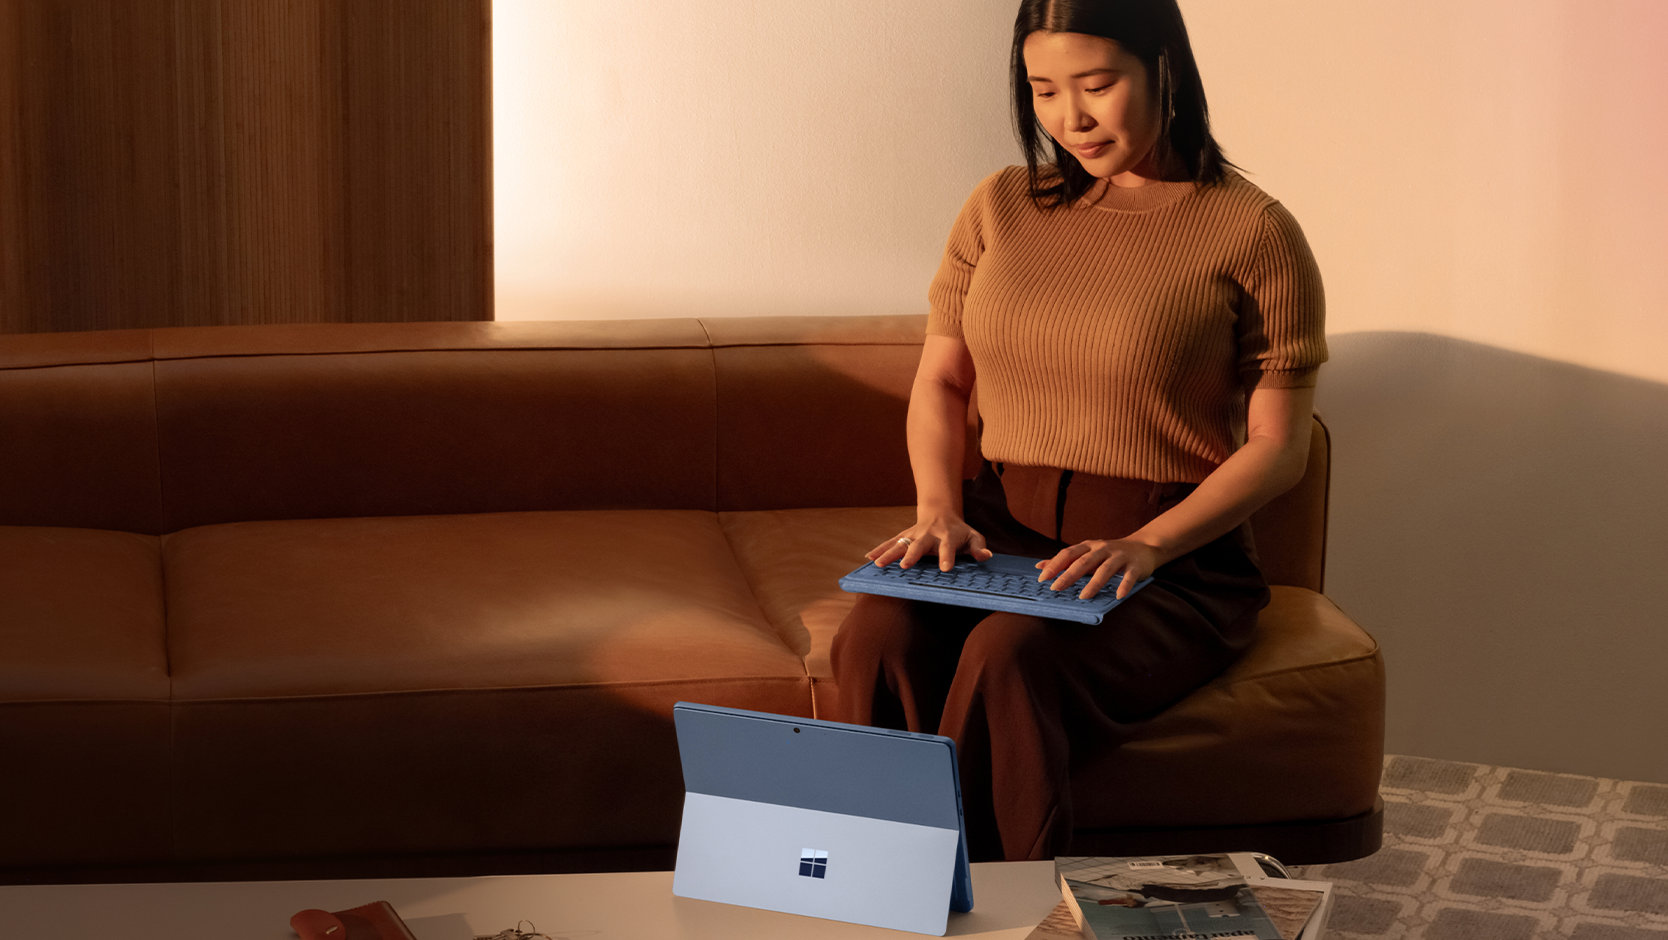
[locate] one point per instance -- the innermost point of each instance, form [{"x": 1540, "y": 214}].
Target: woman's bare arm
[{"x": 937, "y": 429}]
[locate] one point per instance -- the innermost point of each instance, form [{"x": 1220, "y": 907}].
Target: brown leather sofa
[{"x": 332, "y": 600}]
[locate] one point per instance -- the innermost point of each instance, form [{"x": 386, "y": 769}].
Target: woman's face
[{"x": 1096, "y": 100}]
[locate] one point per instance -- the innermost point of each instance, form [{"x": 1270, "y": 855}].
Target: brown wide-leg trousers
[{"x": 1024, "y": 697}]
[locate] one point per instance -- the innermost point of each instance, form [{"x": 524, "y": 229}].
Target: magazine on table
[{"x": 1228, "y": 896}]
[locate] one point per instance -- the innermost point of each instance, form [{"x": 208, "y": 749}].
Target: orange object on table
[{"x": 374, "y": 921}]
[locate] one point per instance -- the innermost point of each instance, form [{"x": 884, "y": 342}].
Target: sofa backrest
[
  {"x": 154, "y": 431},
  {"x": 159, "y": 430},
  {"x": 78, "y": 442}
]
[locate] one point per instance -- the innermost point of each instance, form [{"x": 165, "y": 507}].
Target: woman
[{"x": 1145, "y": 327}]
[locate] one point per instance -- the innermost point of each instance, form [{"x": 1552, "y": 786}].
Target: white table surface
[{"x": 1009, "y": 899}]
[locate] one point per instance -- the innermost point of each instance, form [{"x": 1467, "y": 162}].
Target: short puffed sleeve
[
  {"x": 1282, "y": 318},
  {"x": 948, "y": 290}
]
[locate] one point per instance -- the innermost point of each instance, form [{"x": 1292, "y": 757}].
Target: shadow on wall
[{"x": 1500, "y": 523}]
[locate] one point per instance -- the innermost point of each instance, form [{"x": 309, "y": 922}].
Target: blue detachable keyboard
[{"x": 1002, "y": 582}]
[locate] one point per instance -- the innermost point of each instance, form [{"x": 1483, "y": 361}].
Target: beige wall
[
  {"x": 1478, "y": 178},
  {"x": 1487, "y": 170},
  {"x": 736, "y": 157}
]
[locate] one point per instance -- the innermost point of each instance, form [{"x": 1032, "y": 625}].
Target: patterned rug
[{"x": 1476, "y": 852}]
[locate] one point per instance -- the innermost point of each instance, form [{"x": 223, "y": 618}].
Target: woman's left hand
[{"x": 1102, "y": 560}]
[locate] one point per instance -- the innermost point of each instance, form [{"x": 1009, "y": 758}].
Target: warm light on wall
[
  {"x": 1481, "y": 169},
  {"x": 716, "y": 158}
]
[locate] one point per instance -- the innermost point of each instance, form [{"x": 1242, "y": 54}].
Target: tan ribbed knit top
[{"x": 1121, "y": 335}]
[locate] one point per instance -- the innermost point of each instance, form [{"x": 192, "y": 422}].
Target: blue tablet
[{"x": 820, "y": 818}]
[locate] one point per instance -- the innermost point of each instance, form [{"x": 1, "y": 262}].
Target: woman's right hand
[{"x": 941, "y": 535}]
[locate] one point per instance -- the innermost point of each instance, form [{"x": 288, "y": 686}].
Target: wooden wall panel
[
  {"x": 192, "y": 162},
  {"x": 423, "y": 160}
]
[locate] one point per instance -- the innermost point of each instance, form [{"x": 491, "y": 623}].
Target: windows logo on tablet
[{"x": 813, "y": 863}]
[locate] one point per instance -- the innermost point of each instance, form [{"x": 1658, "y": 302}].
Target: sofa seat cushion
[
  {"x": 794, "y": 559},
  {"x": 477, "y": 674},
  {"x": 1309, "y": 693},
  {"x": 83, "y": 697},
  {"x": 81, "y": 616},
  {"x": 394, "y": 604}
]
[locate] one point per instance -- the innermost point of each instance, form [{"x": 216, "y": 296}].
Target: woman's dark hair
[{"x": 1150, "y": 30}]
